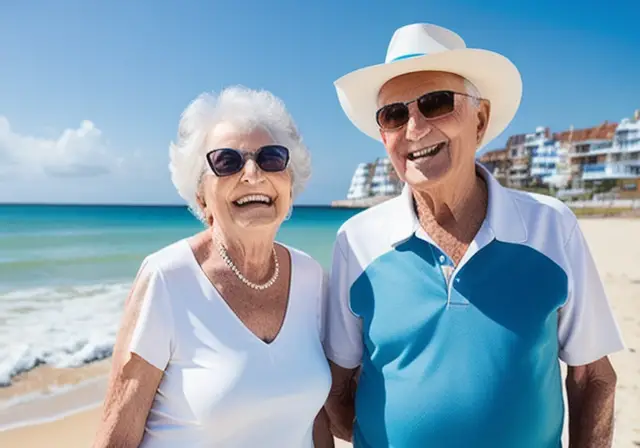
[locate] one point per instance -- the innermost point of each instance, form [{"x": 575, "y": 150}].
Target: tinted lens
[
  {"x": 225, "y": 162},
  {"x": 273, "y": 158},
  {"x": 393, "y": 116},
  {"x": 436, "y": 104}
]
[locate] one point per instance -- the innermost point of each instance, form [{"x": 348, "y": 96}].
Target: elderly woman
[{"x": 220, "y": 341}]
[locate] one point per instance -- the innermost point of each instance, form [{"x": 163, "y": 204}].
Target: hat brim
[{"x": 495, "y": 76}]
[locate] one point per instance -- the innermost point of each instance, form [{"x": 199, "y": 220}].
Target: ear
[
  {"x": 383, "y": 136},
  {"x": 203, "y": 206},
  {"x": 483, "y": 113}
]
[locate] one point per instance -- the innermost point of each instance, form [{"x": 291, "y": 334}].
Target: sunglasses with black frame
[
  {"x": 432, "y": 105},
  {"x": 228, "y": 161}
]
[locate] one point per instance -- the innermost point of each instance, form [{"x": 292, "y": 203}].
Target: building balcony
[
  {"x": 616, "y": 170},
  {"x": 626, "y": 146},
  {"x": 537, "y": 139},
  {"x": 576, "y": 155},
  {"x": 500, "y": 173},
  {"x": 358, "y": 193},
  {"x": 590, "y": 148},
  {"x": 544, "y": 160},
  {"x": 542, "y": 171},
  {"x": 519, "y": 167},
  {"x": 518, "y": 176},
  {"x": 600, "y": 150}
]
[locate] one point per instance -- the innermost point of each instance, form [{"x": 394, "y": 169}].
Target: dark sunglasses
[
  {"x": 431, "y": 105},
  {"x": 228, "y": 161}
]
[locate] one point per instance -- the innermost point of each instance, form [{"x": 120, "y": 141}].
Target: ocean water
[{"x": 65, "y": 272}]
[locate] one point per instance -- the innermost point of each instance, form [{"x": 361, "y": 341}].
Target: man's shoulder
[
  {"x": 540, "y": 210},
  {"x": 365, "y": 236},
  {"x": 372, "y": 220}
]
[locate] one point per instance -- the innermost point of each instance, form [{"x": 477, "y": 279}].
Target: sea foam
[{"x": 58, "y": 326}]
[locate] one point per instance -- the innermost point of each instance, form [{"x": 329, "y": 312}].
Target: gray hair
[
  {"x": 473, "y": 91},
  {"x": 245, "y": 109}
]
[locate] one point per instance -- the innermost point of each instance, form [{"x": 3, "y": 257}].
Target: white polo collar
[{"x": 503, "y": 215}]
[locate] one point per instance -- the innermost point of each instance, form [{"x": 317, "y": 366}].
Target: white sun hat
[{"x": 420, "y": 47}]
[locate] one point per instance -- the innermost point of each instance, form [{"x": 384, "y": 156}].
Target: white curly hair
[{"x": 245, "y": 109}]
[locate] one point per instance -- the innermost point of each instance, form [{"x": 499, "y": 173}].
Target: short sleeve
[
  {"x": 151, "y": 337},
  {"x": 322, "y": 305},
  {"x": 343, "y": 329},
  {"x": 587, "y": 329}
]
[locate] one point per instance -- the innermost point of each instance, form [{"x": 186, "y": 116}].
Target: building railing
[
  {"x": 592, "y": 152},
  {"x": 594, "y": 168},
  {"x": 626, "y": 145},
  {"x": 492, "y": 158},
  {"x": 519, "y": 166},
  {"x": 614, "y": 170},
  {"x": 544, "y": 160}
]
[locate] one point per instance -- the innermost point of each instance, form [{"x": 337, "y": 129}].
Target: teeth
[
  {"x": 426, "y": 151},
  {"x": 254, "y": 198}
]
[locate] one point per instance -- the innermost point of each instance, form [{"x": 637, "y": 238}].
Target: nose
[
  {"x": 251, "y": 173},
  {"x": 417, "y": 127}
]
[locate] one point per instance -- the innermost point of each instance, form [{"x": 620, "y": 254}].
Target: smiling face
[
  {"x": 250, "y": 198},
  {"x": 434, "y": 152}
]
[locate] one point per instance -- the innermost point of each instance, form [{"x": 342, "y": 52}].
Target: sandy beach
[{"x": 67, "y": 414}]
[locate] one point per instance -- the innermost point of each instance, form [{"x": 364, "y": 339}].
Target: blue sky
[{"x": 91, "y": 92}]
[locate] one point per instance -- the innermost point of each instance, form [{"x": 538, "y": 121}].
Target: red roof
[{"x": 604, "y": 131}]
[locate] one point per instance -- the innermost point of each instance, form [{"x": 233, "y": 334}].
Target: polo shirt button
[{"x": 442, "y": 258}]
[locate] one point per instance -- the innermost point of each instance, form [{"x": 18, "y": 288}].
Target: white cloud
[{"x": 81, "y": 152}]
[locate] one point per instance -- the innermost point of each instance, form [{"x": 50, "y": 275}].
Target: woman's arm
[
  {"x": 132, "y": 387},
  {"x": 132, "y": 382}
]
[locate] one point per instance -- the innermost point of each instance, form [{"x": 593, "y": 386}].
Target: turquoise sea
[{"x": 65, "y": 271}]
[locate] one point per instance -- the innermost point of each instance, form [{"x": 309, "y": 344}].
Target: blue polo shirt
[{"x": 467, "y": 355}]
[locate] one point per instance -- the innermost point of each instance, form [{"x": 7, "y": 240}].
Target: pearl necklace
[{"x": 225, "y": 256}]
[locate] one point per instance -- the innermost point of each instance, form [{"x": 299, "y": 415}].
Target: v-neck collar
[{"x": 213, "y": 294}]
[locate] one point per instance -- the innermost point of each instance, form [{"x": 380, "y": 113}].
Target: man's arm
[
  {"x": 590, "y": 394},
  {"x": 340, "y": 404},
  {"x": 587, "y": 334},
  {"x": 322, "y": 437}
]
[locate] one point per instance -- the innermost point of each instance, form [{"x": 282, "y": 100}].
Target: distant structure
[
  {"x": 545, "y": 157},
  {"x": 519, "y": 162},
  {"x": 575, "y": 163},
  {"x": 572, "y": 163},
  {"x": 584, "y": 148},
  {"x": 377, "y": 178},
  {"x": 498, "y": 163},
  {"x": 372, "y": 182},
  {"x": 616, "y": 167}
]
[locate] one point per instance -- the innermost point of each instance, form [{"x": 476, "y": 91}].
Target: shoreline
[
  {"x": 76, "y": 430},
  {"x": 48, "y": 394}
]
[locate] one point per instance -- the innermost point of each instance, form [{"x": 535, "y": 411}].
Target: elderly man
[{"x": 455, "y": 301}]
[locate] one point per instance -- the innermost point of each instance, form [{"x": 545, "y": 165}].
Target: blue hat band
[{"x": 407, "y": 56}]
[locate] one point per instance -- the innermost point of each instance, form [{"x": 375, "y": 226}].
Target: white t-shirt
[{"x": 222, "y": 385}]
